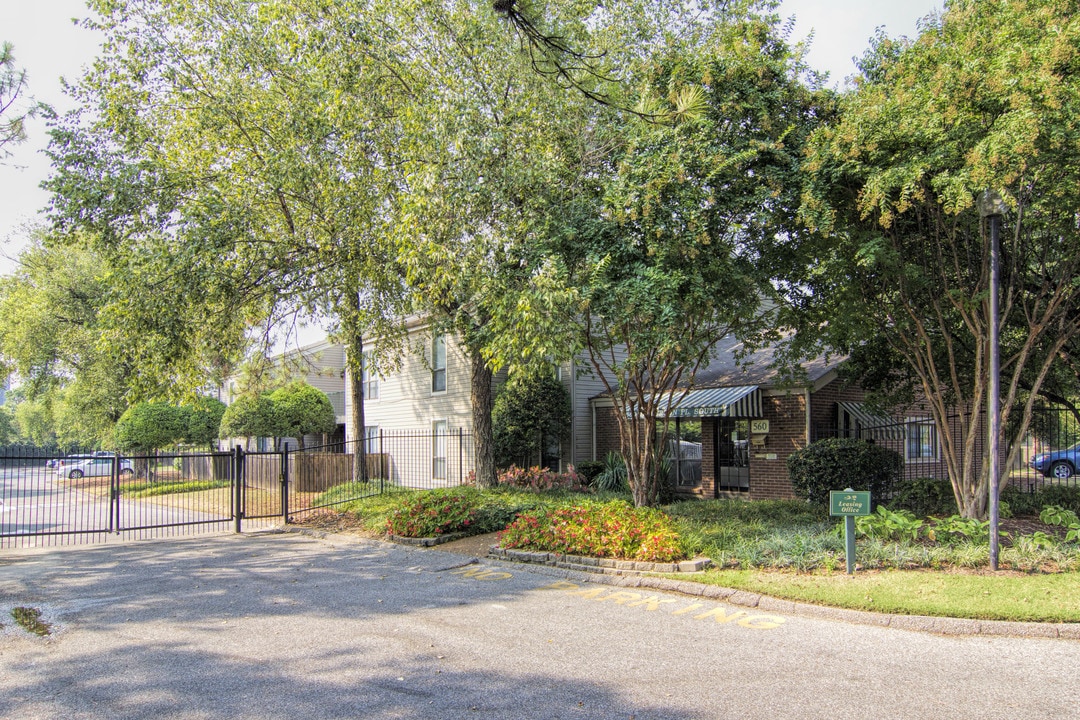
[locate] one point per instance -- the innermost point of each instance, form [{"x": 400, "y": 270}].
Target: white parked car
[{"x": 96, "y": 467}]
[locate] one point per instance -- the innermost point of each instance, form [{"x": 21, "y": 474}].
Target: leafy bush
[
  {"x": 956, "y": 529},
  {"x": 589, "y": 469},
  {"x": 612, "y": 478},
  {"x": 887, "y": 524},
  {"x": 924, "y": 497},
  {"x": 538, "y": 479},
  {"x": 839, "y": 463},
  {"x": 606, "y": 530},
  {"x": 434, "y": 513},
  {"x": 1062, "y": 517},
  {"x": 532, "y": 409}
]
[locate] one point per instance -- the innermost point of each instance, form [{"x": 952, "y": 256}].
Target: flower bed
[{"x": 602, "y": 530}]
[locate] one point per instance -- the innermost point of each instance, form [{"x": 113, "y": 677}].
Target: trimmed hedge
[{"x": 840, "y": 463}]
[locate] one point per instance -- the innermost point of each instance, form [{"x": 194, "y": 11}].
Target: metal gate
[{"x": 94, "y": 498}]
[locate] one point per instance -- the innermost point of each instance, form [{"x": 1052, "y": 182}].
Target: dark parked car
[{"x": 1059, "y": 464}]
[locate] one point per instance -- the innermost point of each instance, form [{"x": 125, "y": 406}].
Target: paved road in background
[{"x": 287, "y": 626}]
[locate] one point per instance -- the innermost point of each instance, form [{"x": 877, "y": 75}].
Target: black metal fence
[
  {"x": 83, "y": 499},
  {"x": 1048, "y": 455}
]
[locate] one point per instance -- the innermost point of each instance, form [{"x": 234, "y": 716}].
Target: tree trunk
[
  {"x": 482, "y": 400},
  {"x": 355, "y": 359}
]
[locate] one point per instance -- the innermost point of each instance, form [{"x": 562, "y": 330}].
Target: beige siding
[{"x": 406, "y": 401}]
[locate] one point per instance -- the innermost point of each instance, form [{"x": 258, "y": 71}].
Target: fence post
[
  {"x": 238, "y": 487},
  {"x": 382, "y": 463},
  {"x": 114, "y": 496},
  {"x": 285, "y": 485},
  {"x": 461, "y": 456}
]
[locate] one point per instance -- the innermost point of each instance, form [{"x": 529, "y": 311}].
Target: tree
[
  {"x": 13, "y": 110},
  {"x": 300, "y": 409},
  {"x": 146, "y": 427},
  {"x": 9, "y": 430},
  {"x": 51, "y": 328},
  {"x": 672, "y": 246},
  {"x": 249, "y": 416},
  {"x": 204, "y": 421},
  {"x": 984, "y": 98},
  {"x": 531, "y": 410}
]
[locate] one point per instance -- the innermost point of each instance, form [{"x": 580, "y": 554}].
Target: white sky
[{"x": 48, "y": 45}]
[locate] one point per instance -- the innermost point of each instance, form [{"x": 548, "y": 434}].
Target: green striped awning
[
  {"x": 739, "y": 401},
  {"x": 869, "y": 425}
]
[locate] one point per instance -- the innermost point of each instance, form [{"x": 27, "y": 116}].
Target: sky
[{"x": 49, "y": 46}]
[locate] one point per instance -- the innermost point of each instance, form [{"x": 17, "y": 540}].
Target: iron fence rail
[{"x": 57, "y": 500}]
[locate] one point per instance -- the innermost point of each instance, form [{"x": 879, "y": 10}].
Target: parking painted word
[
  {"x": 481, "y": 573},
  {"x": 652, "y": 603}
]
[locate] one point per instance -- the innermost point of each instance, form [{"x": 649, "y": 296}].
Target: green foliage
[
  {"x": 590, "y": 470},
  {"x": 434, "y": 513},
  {"x": 531, "y": 411},
  {"x": 538, "y": 479},
  {"x": 14, "y": 107},
  {"x": 299, "y": 409},
  {"x": 249, "y": 417},
  {"x": 983, "y": 99},
  {"x": 840, "y": 463},
  {"x": 885, "y": 524},
  {"x": 145, "y": 427},
  {"x": 1057, "y": 515},
  {"x": 956, "y": 529},
  {"x": 204, "y": 421},
  {"x": 612, "y": 477},
  {"x": 924, "y": 497},
  {"x": 9, "y": 431},
  {"x": 597, "y": 529}
]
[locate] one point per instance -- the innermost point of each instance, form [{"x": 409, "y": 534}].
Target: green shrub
[
  {"x": 589, "y": 469},
  {"x": 840, "y": 463},
  {"x": 434, "y": 513},
  {"x": 605, "y": 530},
  {"x": 613, "y": 476},
  {"x": 955, "y": 529},
  {"x": 924, "y": 497},
  {"x": 1062, "y": 517},
  {"x": 887, "y": 524}
]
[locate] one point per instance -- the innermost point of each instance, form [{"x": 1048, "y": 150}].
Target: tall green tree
[
  {"x": 672, "y": 244},
  {"x": 985, "y": 98}
]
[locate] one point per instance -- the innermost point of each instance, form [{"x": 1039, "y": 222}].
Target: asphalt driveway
[{"x": 289, "y": 626}]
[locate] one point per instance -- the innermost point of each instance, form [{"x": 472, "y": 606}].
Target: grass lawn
[{"x": 1006, "y": 595}]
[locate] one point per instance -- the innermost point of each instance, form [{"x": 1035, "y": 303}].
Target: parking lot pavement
[{"x": 289, "y": 626}]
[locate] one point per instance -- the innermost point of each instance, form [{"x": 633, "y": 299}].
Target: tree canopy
[{"x": 986, "y": 97}]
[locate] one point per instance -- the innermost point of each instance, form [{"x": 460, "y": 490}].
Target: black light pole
[{"x": 992, "y": 206}]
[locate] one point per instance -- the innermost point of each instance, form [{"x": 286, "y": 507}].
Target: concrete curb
[{"x": 916, "y": 623}]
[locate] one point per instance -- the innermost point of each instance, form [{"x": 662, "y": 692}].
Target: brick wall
[
  {"x": 787, "y": 432},
  {"x": 607, "y": 432}
]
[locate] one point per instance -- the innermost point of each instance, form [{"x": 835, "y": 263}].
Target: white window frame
[
  {"x": 371, "y": 439},
  {"x": 438, "y": 364},
  {"x": 929, "y": 449},
  {"x": 440, "y": 432},
  {"x": 369, "y": 381}
]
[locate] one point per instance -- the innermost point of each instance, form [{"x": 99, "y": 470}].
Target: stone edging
[{"x": 597, "y": 565}]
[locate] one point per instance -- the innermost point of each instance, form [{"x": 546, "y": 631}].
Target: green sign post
[{"x": 849, "y": 504}]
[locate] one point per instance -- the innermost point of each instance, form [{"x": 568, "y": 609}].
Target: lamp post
[{"x": 992, "y": 206}]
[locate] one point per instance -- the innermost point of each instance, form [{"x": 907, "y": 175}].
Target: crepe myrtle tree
[{"x": 983, "y": 99}]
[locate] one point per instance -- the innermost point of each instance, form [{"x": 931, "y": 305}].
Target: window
[
  {"x": 371, "y": 439},
  {"x": 922, "y": 442},
  {"x": 438, "y": 363},
  {"x": 439, "y": 430},
  {"x": 369, "y": 381}
]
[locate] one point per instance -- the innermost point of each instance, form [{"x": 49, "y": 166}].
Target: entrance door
[{"x": 732, "y": 455}]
